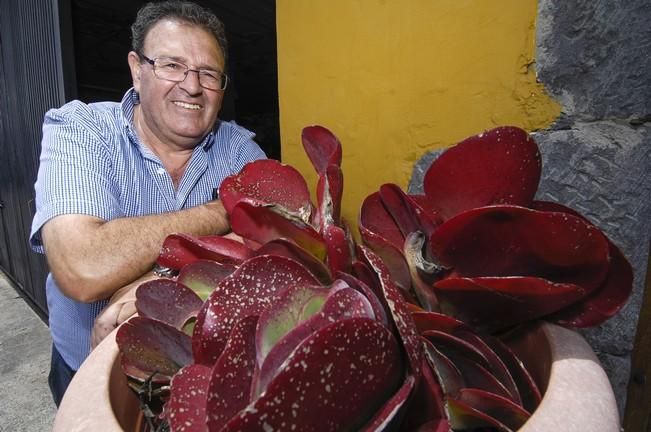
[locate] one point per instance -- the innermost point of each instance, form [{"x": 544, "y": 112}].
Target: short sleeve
[
  {"x": 75, "y": 173},
  {"x": 244, "y": 148}
]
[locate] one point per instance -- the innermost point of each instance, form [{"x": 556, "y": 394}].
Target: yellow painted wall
[{"x": 395, "y": 79}]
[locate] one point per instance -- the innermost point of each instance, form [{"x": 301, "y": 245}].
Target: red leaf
[
  {"x": 181, "y": 249},
  {"x": 447, "y": 373},
  {"x": 186, "y": 408},
  {"x": 515, "y": 241},
  {"x": 503, "y": 410},
  {"x": 495, "y": 303},
  {"x": 499, "y": 166},
  {"x": 252, "y": 288},
  {"x": 465, "y": 417},
  {"x": 610, "y": 297},
  {"x": 230, "y": 379},
  {"x": 151, "y": 348},
  {"x": 378, "y": 310},
  {"x": 427, "y": 322},
  {"x": 342, "y": 303},
  {"x": 408, "y": 215},
  {"x": 289, "y": 249},
  {"x": 338, "y": 249},
  {"x": 527, "y": 387},
  {"x": 203, "y": 276},
  {"x": 427, "y": 403},
  {"x": 167, "y": 301},
  {"x": 336, "y": 380},
  {"x": 375, "y": 218},
  {"x": 398, "y": 308},
  {"x": 262, "y": 223},
  {"x": 389, "y": 411},
  {"x": 260, "y": 181},
  {"x": 390, "y": 254},
  {"x": 605, "y": 301},
  {"x": 322, "y": 147}
]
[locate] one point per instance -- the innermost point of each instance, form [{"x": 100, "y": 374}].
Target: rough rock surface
[{"x": 594, "y": 57}]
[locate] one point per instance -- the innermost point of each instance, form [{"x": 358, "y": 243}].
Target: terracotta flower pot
[{"x": 578, "y": 395}]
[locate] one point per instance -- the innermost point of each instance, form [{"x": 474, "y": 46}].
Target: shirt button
[{"x": 160, "y": 170}]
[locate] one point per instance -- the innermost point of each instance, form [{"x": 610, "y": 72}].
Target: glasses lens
[
  {"x": 170, "y": 70},
  {"x": 212, "y": 80}
]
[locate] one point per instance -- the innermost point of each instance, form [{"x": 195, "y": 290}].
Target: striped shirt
[{"x": 93, "y": 163}]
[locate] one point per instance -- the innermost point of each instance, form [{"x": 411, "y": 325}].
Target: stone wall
[{"x": 594, "y": 57}]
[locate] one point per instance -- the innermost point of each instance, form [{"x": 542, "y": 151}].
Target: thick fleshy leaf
[
  {"x": 152, "y": 349},
  {"x": 427, "y": 403},
  {"x": 322, "y": 147},
  {"x": 605, "y": 301},
  {"x": 482, "y": 349},
  {"x": 329, "y": 190},
  {"x": 168, "y": 301},
  {"x": 378, "y": 310},
  {"x": 515, "y": 241},
  {"x": 399, "y": 312},
  {"x": 375, "y": 218},
  {"x": 263, "y": 223},
  {"x": 457, "y": 346},
  {"x": 260, "y": 181},
  {"x": 446, "y": 341},
  {"x": 181, "y": 249},
  {"x": 203, "y": 276},
  {"x": 390, "y": 410},
  {"x": 289, "y": 249},
  {"x": 296, "y": 305},
  {"x": 424, "y": 203},
  {"x": 500, "y": 166},
  {"x": 390, "y": 254},
  {"x": 338, "y": 249},
  {"x": 342, "y": 303},
  {"x": 251, "y": 289},
  {"x": 504, "y": 410},
  {"x": 447, "y": 373},
  {"x": 613, "y": 293},
  {"x": 407, "y": 213},
  {"x": 465, "y": 417},
  {"x": 336, "y": 380},
  {"x": 527, "y": 387},
  {"x": 496, "y": 303},
  {"x": 186, "y": 408},
  {"x": 230, "y": 379},
  {"x": 475, "y": 375}
]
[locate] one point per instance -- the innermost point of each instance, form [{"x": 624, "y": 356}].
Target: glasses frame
[{"x": 152, "y": 62}]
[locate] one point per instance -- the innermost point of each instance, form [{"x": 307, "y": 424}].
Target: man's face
[{"x": 178, "y": 113}]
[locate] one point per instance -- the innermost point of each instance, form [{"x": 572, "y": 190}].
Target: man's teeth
[{"x": 187, "y": 105}]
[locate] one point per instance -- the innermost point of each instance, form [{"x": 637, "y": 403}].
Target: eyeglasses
[{"x": 170, "y": 70}]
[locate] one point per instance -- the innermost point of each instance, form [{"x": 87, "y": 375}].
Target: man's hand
[{"x": 121, "y": 307}]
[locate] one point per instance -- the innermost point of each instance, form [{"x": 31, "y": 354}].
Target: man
[{"x": 116, "y": 178}]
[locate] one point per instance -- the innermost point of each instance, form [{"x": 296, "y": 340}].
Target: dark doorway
[{"x": 101, "y": 39}]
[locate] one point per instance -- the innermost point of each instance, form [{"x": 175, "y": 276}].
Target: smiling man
[{"x": 116, "y": 178}]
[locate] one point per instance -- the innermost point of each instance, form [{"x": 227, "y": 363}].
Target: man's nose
[{"x": 191, "y": 83}]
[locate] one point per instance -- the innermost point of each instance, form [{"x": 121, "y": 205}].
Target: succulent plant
[{"x": 301, "y": 328}]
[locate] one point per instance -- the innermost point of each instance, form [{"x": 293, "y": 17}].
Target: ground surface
[{"x": 25, "y": 401}]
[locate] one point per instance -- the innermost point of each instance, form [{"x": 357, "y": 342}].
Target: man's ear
[{"x": 136, "y": 68}]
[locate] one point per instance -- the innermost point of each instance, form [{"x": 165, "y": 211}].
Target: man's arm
[{"x": 91, "y": 258}]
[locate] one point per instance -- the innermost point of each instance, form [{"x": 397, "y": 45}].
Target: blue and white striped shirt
[{"x": 93, "y": 163}]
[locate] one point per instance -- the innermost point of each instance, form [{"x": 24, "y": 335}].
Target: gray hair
[{"x": 175, "y": 10}]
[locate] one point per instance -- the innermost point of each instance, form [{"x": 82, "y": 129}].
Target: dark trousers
[{"x": 60, "y": 376}]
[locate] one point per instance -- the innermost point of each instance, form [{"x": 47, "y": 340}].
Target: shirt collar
[{"x": 131, "y": 99}]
